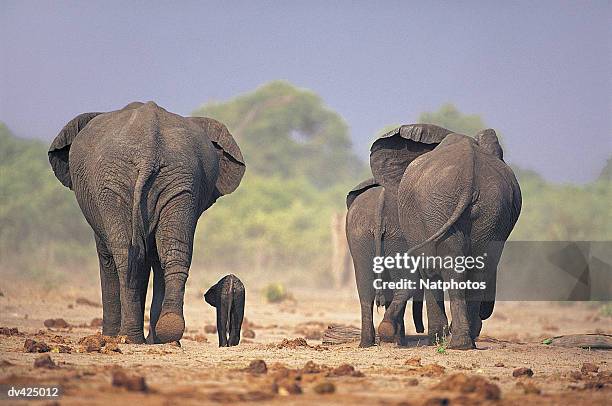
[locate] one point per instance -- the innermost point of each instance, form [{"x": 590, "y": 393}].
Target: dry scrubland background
[{"x": 276, "y": 226}]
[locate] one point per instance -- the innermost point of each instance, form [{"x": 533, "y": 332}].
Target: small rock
[
  {"x": 210, "y": 329},
  {"x": 588, "y": 368},
  {"x": 35, "y": 346},
  {"x": 295, "y": 343},
  {"x": 463, "y": 383},
  {"x": 413, "y": 362},
  {"x": 134, "y": 383},
  {"x": 93, "y": 343},
  {"x": 431, "y": 370},
  {"x": 311, "y": 368},
  {"x": 412, "y": 382},
  {"x": 324, "y": 388},
  {"x": 64, "y": 349},
  {"x": 257, "y": 366},
  {"x": 111, "y": 347},
  {"x": 9, "y": 331},
  {"x": 44, "y": 361},
  {"x": 500, "y": 365},
  {"x": 345, "y": 370},
  {"x": 522, "y": 372},
  {"x": 56, "y": 323},
  {"x": 248, "y": 333},
  {"x": 200, "y": 338}
]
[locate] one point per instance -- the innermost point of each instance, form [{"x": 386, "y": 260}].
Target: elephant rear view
[
  {"x": 468, "y": 201},
  {"x": 142, "y": 177}
]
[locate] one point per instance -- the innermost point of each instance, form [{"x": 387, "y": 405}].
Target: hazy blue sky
[{"x": 538, "y": 71}]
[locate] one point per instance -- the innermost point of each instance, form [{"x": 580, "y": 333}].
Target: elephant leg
[
  {"x": 159, "y": 288},
  {"x": 236, "y": 317},
  {"x": 131, "y": 272},
  {"x": 400, "y": 327},
  {"x": 223, "y": 313},
  {"x": 111, "y": 302},
  {"x": 437, "y": 322},
  {"x": 398, "y": 323},
  {"x": 455, "y": 245},
  {"x": 392, "y": 327},
  {"x": 417, "y": 311},
  {"x": 362, "y": 253},
  {"x": 174, "y": 241},
  {"x": 494, "y": 252}
]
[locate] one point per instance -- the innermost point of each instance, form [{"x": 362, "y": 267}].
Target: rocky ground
[{"x": 52, "y": 338}]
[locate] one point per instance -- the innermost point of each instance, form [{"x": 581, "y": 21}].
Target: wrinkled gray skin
[
  {"x": 228, "y": 297},
  {"x": 465, "y": 197},
  {"x": 372, "y": 229},
  {"x": 142, "y": 177}
]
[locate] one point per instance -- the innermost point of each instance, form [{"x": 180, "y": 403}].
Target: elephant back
[{"x": 392, "y": 152}]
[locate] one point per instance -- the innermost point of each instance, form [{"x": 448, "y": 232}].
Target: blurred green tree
[
  {"x": 40, "y": 222},
  {"x": 288, "y": 132}
]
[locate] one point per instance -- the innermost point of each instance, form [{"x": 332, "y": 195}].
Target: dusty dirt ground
[{"x": 199, "y": 372}]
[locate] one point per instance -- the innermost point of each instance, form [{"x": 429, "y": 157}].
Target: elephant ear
[
  {"x": 392, "y": 152},
  {"x": 60, "y": 147},
  {"x": 487, "y": 139},
  {"x": 211, "y": 295},
  {"x": 231, "y": 162},
  {"x": 359, "y": 189}
]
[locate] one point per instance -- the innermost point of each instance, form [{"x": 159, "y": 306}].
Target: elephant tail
[
  {"x": 378, "y": 235},
  {"x": 230, "y": 300},
  {"x": 138, "y": 242},
  {"x": 465, "y": 199}
]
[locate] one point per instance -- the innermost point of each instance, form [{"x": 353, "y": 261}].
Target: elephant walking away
[
  {"x": 142, "y": 177},
  {"x": 227, "y": 296},
  {"x": 373, "y": 228},
  {"x": 459, "y": 200},
  {"x": 370, "y": 234}
]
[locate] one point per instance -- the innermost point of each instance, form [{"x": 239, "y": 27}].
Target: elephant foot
[
  {"x": 461, "y": 342},
  {"x": 366, "y": 344},
  {"x": 386, "y": 331},
  {"x": 151, "y": 339},
  {"x": 170, "y": 327},
  {"x": 136, "y": 339}
]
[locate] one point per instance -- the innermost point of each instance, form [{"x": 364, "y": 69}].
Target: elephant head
[{"x": 392, "y": 152}]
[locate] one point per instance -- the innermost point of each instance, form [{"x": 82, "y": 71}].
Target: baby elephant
[{"x": 227, "y": 296}]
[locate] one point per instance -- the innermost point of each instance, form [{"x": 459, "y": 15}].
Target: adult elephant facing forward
[
  {"x": 459, "y": 200},
  {"x": 142, "y": 177}
]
